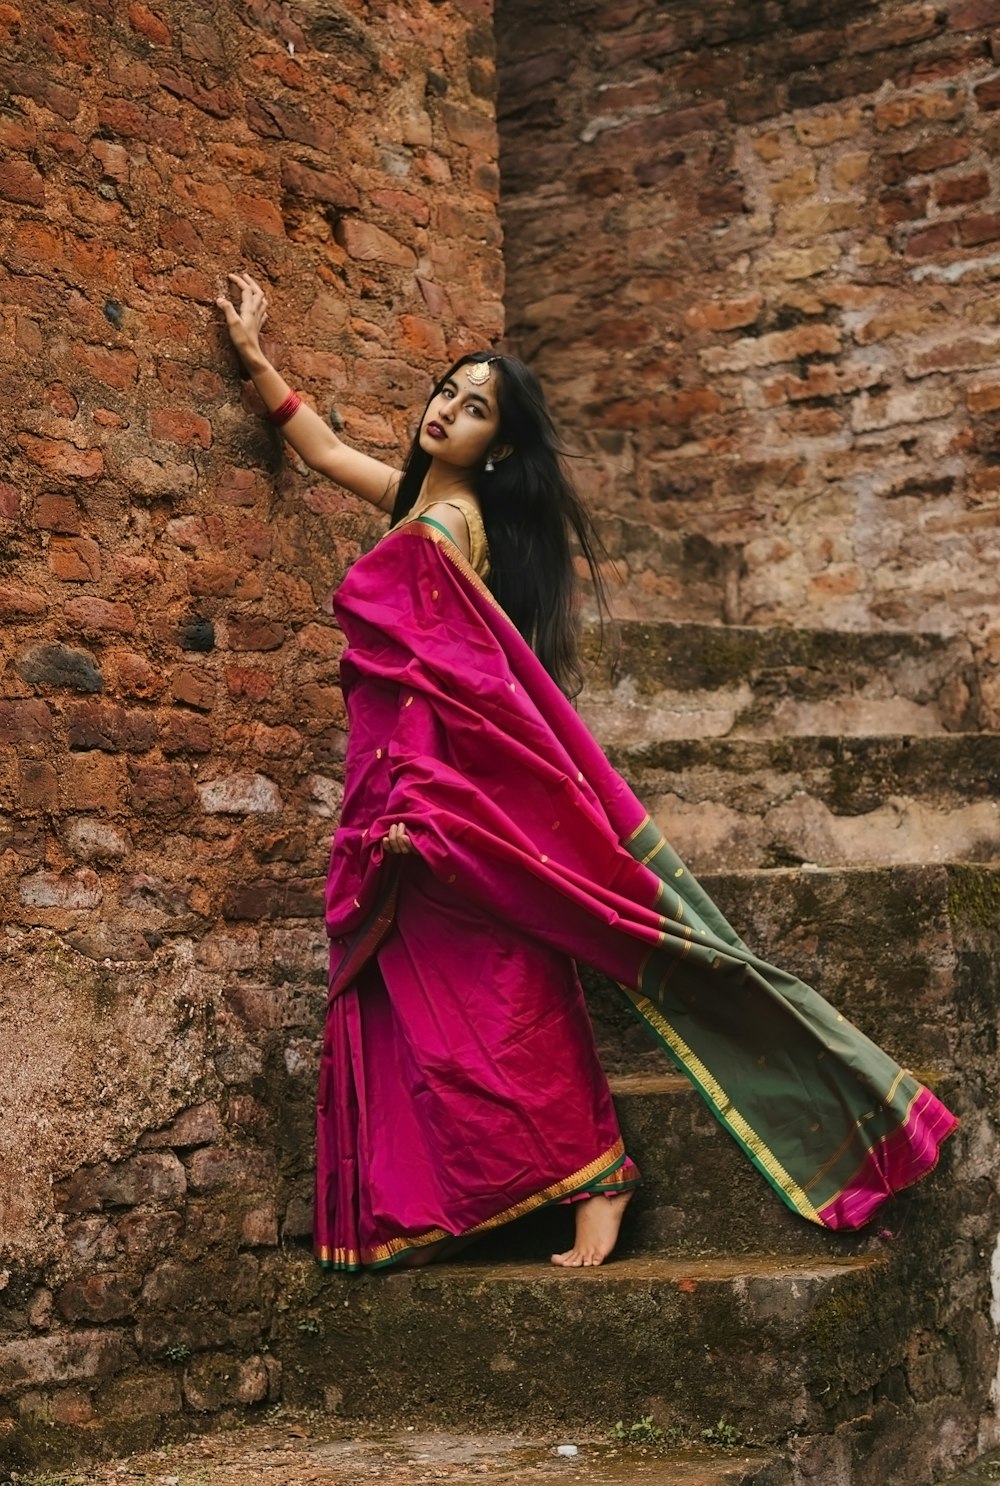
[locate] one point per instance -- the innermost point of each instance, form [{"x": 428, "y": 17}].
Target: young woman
[{"x": 486, "y": 845}]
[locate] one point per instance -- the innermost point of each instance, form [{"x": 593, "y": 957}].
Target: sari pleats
[{"x": 456, "y": 1092}]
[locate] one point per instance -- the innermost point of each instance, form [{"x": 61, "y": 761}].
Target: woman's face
[{"x": 462, "y": 421}]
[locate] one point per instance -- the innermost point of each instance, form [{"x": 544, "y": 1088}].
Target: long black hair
[{"x": 530, "y": 512}]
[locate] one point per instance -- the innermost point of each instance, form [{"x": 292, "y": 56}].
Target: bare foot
[{"x": 597, "y": 1223}]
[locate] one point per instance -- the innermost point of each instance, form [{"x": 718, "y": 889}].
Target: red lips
[{"x": 436, "y": 431}]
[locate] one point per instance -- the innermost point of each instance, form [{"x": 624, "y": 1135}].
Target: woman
[{"x": 486, "y": 845}]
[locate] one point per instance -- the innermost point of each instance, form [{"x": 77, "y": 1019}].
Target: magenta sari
[{"x": 459, "y": 1085}]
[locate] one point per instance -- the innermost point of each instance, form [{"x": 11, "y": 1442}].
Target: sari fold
[{"x": 522, "y": 827}]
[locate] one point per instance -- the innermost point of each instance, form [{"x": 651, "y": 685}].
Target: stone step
[
  {"x": 984, "y": 1472},
  {"x": 763, "y": 1343},
  {"x": 835, "y": 802},
  {"x": 661, "y": 680},
  {"x": 907, "y": 953},
  {"x": 306, "y": 1450},
  {"x": 700, "y": 1195}
]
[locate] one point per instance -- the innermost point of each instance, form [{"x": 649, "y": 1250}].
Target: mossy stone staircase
[{"x": 848, "y": 1360}]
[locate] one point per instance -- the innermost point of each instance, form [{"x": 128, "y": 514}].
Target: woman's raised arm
[{"x": 312, "y": 439}]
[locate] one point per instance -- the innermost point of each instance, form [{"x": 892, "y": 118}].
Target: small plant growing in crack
[
  {"x": 645, "y": 1432},
  {"x": 722, "y": 1434}
]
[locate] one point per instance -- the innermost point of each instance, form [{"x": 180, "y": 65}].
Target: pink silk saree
[{"x": 459, "y": 1084}]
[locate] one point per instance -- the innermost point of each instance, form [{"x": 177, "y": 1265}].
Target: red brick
[
  {"x": 987, "y": 95},
  {"x": 75, "y": 559},
  {"x": 903, "y": 206},
  {"x": 149, "y": 25},
  {"x": 981, "y": 228},
  {"x": 276, "y": 742},
  {"x": 972, "y": 14},
  {"x": 202, "y": 43},
  {"x": 113, "y": 729},
  {"x": 38, "y": 785},
  {"x": 133, "y": 673},
  {"x": 934, "y": 155},
  {"x": 100, "y": 615},
  {"x": 10, "y": 502},
  {"x": 212, "y": 579},
  {"x": 937, "y": 238},
  {"x": 725, "y": 314},
  {"x": 897, "y": 113},
  {"x": 180, "y": 426},
  {"x": 180, "y": 732},
  {"x": 274, "y": 120},
  {"x": 220, "y": 102},
  {"x": 195, "y": 382},
  {"x": 194, "y": 687},
  {"x": 253, "y": 633},
  {"x": 959, "y": 189},
  {"x": 404, "y": 202},
  {"x": 17, "y": 133},
  {"x": 179, "y": 235},
  {"x": 18, "y": 603},
  {"x": 21, "y": 182},
  {"x": 57, "y": 513},
  {"x": 88, "y": 781},
  {"x": 899, "y": 26},
  {"x": 61, "y": 400},
  {"x": 24, "y": 82},
  {"x": 99, "y": 1297},
  {"x": 298, "y": 179},
  {"x": 257, "y": 686},
  {"x": 25, "y": 722},
  {"x": 58, "y": 457},
  {"x": 162, "y": 789},
  {"x": 236, "y": 486},
  {"x": 155, "y": 1177},
  {"x": 192, "y": 533},
  {"x": 633, "y": 46},
  {"x": 113, "y": 158},
  {"x": 369, "y": 244}
]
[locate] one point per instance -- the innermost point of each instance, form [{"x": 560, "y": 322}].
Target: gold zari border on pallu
[
  {"x": 454, "y": 556},
  {"x": 712, "y": 1091},
  {"x": 870, "y": 1153},
  {"x": 387, "y": 1253}
]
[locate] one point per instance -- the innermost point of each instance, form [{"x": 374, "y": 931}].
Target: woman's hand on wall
[{"x": 246, "y": 321}]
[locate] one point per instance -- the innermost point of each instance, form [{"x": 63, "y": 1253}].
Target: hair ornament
[{"x": 479, "y": 372}]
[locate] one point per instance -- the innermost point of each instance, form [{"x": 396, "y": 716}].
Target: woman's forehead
[{"x": 469, "y": 380}]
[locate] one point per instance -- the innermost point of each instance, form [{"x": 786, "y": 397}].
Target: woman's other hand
[
  {"x": 397, "y": 841},
  {"x": 245, "y": 322}
]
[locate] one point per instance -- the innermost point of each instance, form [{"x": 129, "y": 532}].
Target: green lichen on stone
[{"x": 974, "y": 897}]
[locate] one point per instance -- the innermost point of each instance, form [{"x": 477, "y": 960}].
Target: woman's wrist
[{"x": 254, "y": 361}]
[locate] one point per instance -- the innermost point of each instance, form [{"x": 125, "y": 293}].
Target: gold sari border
[
  {"x": 709, "y": 1088},
  {"x": 388, "y": 1253}
]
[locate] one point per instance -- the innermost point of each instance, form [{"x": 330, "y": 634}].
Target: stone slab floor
[{"x": 293, "y": 1451}]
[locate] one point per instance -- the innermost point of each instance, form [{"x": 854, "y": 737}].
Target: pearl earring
[{"x": 490, "y": 466}]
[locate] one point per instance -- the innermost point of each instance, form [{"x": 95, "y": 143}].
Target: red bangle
[{"x": 291, "y": 405}]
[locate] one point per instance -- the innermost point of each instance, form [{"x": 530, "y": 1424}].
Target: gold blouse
[{"x": 479, "y": 552}]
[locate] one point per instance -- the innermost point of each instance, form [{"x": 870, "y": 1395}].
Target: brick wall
[
  {"x": 753, "y": 251},
  {"x": 171, "y": 727}
]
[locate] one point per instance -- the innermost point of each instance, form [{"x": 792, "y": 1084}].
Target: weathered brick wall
[
  {"x": 753, "y": 252},
  {"x": 170, "y": 721}
]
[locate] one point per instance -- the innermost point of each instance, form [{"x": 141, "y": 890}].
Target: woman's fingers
[{"x": 397, "y": 840}]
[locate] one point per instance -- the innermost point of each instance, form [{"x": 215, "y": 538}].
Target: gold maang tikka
[{"x": 478, "y": 372}]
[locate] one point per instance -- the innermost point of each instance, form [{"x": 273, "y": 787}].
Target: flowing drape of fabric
[{"x": 459, "y": 1084}]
